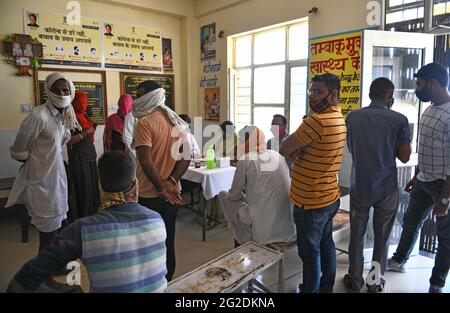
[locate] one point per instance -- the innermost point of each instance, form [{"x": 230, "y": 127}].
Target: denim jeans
[
  {"x": 421, "y": 202},
  {"x": 316, "y": 247},
  {"x": 384, "y": 209},
  {"x": 168, "y": 213},
  {"x": 442, "y": 259}
]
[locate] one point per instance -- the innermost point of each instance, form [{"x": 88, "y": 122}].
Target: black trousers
[{"x": 168, "y": 213}]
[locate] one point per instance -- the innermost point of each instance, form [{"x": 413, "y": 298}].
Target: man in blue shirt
[{"x": 376, "y": 136}]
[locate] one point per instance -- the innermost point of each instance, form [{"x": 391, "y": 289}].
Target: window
[
  {"x": 408, "y": 15},
  {"x": 269, "y": 76}
]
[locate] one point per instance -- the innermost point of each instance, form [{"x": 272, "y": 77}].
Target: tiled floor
[{"x": 192, "y": 252}]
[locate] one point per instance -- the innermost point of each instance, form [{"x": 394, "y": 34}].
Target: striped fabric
[
  {"x": 125, "y": 256},
  {"x": 314, "y": 181}
]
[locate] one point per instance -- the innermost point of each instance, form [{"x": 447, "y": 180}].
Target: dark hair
[
  {"x": 185, "y": 118},
  {"x": 108, "y": 25},
  {"x": 380, "y": 87},
  {"x": 331, "y": 81},
  {"x": 116, "y": 170},
  {"x": 282, "y": 117},
  {"x": 245, "y": 133},
  {"x": 149, "y": 85},
  {"x": 33, "y": 15},
  {"x": 224, "y": 125},
  {"x": 433, "y": 71}
]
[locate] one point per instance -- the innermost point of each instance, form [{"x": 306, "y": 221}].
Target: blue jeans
[
  {"x": 421, "y": 202},
  {"x": 442, "y": 259},
  {"x": 316, "y": 247}
]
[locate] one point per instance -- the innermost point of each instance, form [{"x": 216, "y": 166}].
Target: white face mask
[{"x": 58, "y": 101}]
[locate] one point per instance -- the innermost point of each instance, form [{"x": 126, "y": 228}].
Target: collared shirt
[
  {"x": 374, "y": 134},
  {"x": 128, "y": 133},
  {"x": 195, "y": 150},
  {"x": 262, "y": 181},
  {"x": 155, "y": 131},
  {"x": 274, "y": 144},
  {"x": 434, "y": 143},
  {"x": 314, "y": 176},
  {"x": 41, "y": 183}
]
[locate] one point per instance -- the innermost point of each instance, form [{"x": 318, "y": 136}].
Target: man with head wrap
[
  {"x": 158, "y": 139},
  {"x": 41, "y": 184},
  {"x": 257, "y": 206}
]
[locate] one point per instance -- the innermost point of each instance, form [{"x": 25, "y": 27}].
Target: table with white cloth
[{"x": 212, "y": 182}]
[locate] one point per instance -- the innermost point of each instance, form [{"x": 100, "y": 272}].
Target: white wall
[
  {"x": 235, "y": 17},
  {"x": 168, "y": 16}
]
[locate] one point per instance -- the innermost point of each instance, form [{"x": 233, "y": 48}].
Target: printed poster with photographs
[
  {"x": 167, "y": 55},
  {"x": 132, "y": 47},
  {"x": 208, "y": 41},
  {"x": 212, "y": 104},
  {"x": 64, "y": 44}
]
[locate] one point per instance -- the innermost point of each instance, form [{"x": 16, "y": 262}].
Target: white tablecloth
[{"x": 213, "y": 181}]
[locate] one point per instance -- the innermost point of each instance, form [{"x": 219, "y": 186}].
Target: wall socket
[{"x": 25, "y": 108}]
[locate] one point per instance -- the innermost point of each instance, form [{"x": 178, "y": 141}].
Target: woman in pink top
[{"x": 112, "y": 136}]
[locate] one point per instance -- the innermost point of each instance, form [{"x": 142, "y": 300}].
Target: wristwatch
[{"x": 445, "y": 201}]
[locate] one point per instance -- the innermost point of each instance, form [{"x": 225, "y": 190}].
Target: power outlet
[{"x": 25, "y": 108}]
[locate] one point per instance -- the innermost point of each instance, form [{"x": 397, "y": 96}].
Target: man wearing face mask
[
  {"x": 158, "y": 137},
  {"x": 41, "y": 184},
  {"x": 376, "y": 136},
  {"x": 316, "y": 149},
  {"x": 430, "y": 186}
]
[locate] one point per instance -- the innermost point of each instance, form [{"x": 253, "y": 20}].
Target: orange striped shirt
[{"x": 314, "y": 176}]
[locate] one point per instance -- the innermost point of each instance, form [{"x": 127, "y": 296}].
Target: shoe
[
  {"x": 394, "y": 266},
  {"x": 435, "y": 289},
  {"x": 377, "y": 287},
  {"x": 349, "y": 284}
]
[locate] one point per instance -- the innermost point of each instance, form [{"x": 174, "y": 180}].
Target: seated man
[
  {"x": 122, "y": 246},
  {"x": 278, "y": 129},
  {"x": 257, "y": 206}
]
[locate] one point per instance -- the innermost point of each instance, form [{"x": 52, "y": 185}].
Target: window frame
[{"x": 288, "y": 65}]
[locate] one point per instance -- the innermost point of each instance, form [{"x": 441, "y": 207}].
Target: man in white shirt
[
  {"x": 257, "y": 206},
  {"x": 128, "y": 134},
  {"x": 195, "y": 150},
  {"x": 430, "y": 187},
  {"x": 41, "y": 184}
]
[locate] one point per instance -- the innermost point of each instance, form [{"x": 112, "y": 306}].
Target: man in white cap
[{"x": 41, "y": 184}]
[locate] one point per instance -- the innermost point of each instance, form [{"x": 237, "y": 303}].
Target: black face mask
[
  {"x": 424, "y": 94},
  {"x": 321, "y": 105}
]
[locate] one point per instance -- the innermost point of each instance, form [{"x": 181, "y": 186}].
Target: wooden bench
[{"x": 230, "y": 271}]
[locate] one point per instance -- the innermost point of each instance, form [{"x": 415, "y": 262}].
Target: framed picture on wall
[
  {"x": 167, "y": 54},
  {"x": 212, "y": 104},
  {"x": 23, "y": 38},
  {"x": 130, "y": 81},
  {"x": 208, "y": 41},
  {"x": 23, "y": 61},
  {"x": 8, "y": 47},
  {"x": 17, "y": 50},
  {"x": 38, "y": 51},
  {"x": 92, "y": 83}
]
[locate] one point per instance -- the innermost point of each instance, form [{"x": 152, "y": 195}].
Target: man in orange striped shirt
[{"x": 316, "y": 149}]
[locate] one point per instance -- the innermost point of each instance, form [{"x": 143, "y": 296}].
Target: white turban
[{"x": 62, "y": 102}]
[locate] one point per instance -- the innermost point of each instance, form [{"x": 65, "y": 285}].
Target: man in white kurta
[
  {"x": 41, "y": 184},
  {"x": 257, "y": 206}
]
